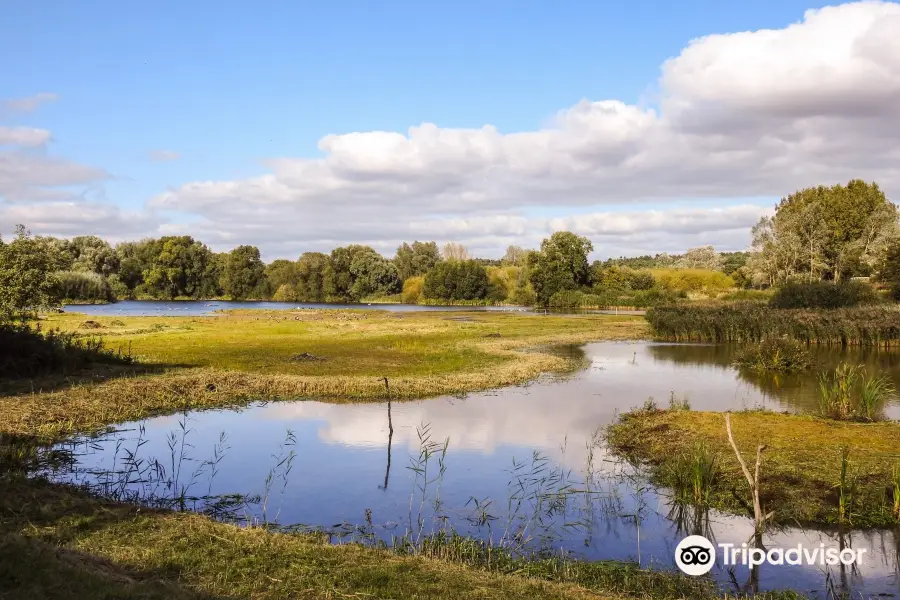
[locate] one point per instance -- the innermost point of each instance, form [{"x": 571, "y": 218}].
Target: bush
[
  {"x": 412, "y": 290},
  {"x": 693, "y": 280},
  {"x": 823, "y": 294},
  {"x": 26, "y": 352},
  {"x": 286, "y": 293},
  {"x": 780, "y": 355},
  {"x": 78, "y": 286}
]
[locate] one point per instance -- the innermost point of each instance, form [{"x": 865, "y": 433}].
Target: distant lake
[{"x": 197, "y": 308}]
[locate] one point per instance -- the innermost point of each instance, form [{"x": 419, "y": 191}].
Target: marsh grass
[
  {"x": 753, "y": 322},
  {"x": 692, "y": 474},
  {"x": 774, "y": 355},
  {"x": 848, "y": 392},
  {"x": 805, "y": 478}
]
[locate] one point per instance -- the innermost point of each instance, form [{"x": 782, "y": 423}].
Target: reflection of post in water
[{"x": 387, "y": 471}]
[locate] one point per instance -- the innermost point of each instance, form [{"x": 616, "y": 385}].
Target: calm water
[
  {"x": 196, "y": 308},
  {"x": 523, "y": 442}
]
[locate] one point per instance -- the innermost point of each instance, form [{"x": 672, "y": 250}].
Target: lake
[
  {"x": 198, "y": 308},
  {"x": 338, "y": 467}
]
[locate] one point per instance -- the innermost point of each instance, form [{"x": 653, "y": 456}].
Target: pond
[
  {"x": 355, "y": 471},
  {"x": 197, "y": 308}
]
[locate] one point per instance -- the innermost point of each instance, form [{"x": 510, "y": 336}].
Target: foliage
[
  {"x": 848, "y": 392},
  {"x": 286, "y": 293},
  {"x": 27, "y": 352},
  {"x": 560, "y": 265},
  {"x": 704, "y": 257},
  {"x": 311, "y": 271},
  {"x": 889, "y": 269},
  {"x": 416, "y": 259},
  {"x": 357, "y": 271},
  {"x": 176, "y": 267},
  {"x": 776, "y": 355},
  {"x": 455, "y": 251},
  {"x": 823, "y": 233},
  {"x": 243, "y": 273},
  {"x": 456, "y": 280},
  {"x": 702, "y": 281},
  {"x": 91, "y": 254},
  {"x": 692, "y": 474},
  {"x": 514, "y": 256},
  {"x": 822, "y": 294},
  {"x": 282, "y": 272},
  {"x": 412, "y": 290},
  {"x": 752, "y": 322},
  {"x": 26, "y": 284},
  {"x": 81, "y": 286}
]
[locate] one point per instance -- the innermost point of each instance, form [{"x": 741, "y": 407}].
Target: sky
[{"x": 300, "y": 126}]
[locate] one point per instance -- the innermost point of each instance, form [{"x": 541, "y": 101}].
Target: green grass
[
  {"x": 236, "y": 357},
  {"x": 803, "y": 475}
]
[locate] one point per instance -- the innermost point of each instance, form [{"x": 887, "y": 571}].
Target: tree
[
  {"x": 823, "y": 233},
  {"x": 454, "y": 251},
  {"x": 514, "y": 256},
  {"x": 180, "y": 267},
  {"x": 243, "y": 273},
  {"x": 311, "y": 270},
  {"x": 282, "y": 272},
  {"x": 416, "y": 259},
  {"x": 357, "y": 271},
  {"x": 560, "y": 265},
  {"x": 704, "y": 257},
  {"x": 93, "y": 255},
  {"x": 889, "y": 269},
  {"x": 26, "y": 283},
  {"x": 456, "y": 280}
]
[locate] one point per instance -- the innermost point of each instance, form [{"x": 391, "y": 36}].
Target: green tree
[
  {"x": 93, "y": 255},
  {"x": 889, "y": 268},
  {"x": 560, "y": 265},
  {"x": 373, "y": 275},
  {"x": 26, "y": 283},
  {"x": 456, "y": 280},
  {"x": 243, "y": 273},
  {"x": 179, "y": 266},
  {"x": 514, "y": 256},
  {"x": 311, "y": 273},
  {"x": 416, "y": 259},
  {"x": 823, "y": 233},
  {"x": 280, "y": 273}
]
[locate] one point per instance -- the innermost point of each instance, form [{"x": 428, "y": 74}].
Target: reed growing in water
[
  {"x": 753, "y": 322},
  {"x": 779, "y": 355},
  {"x": 847, "y": 393}
]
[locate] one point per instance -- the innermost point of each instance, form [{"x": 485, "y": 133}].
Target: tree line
[{"x": 816, "y": 234}]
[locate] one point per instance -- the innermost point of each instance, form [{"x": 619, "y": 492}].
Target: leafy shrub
[
  {"x": 79, "y": 286},
  {"x": 780, "y": 355},
  {"x": 286, "y": 293},
  {"x": 26, "y": 352},
  {"x": 823, "y": 294},
  {"x": 412, "y": 290},
  {"x": 693, "y": 280}
]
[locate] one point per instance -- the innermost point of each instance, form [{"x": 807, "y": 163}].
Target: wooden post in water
[
  {"x": 387, "y": 471},
  {"x": 753, "y": 480}
]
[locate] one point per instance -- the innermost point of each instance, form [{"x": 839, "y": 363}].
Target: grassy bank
[
  {"x": 801, "y": 469},
  {"x": 57, "y": 542},
  {"x": 754, "y": 322},
  {"x": 337, "y": 355}
]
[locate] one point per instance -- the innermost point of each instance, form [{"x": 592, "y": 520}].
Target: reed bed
[{"x": 754, "y": 322}]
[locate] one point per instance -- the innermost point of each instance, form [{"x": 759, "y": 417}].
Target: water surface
[
  {"x": 522, "y": 442},
  {"x": 196, "y": 308}
]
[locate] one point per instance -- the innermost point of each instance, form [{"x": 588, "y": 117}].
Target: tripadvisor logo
[{"x": 696, "y": 555}]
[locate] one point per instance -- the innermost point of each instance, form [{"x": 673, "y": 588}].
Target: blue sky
[{"x": 226, "y": 85}]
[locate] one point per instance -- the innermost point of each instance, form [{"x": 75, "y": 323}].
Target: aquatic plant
[
  {"x": 752, "y": 322},
  {"x": 691, "y": 474},
  {"x": 676, "y": 403},
  {"x": 778, "y": 355},
  {"x": 895, "y": 489},
  {"x": 848, "y": 392},
  {"x": 822, "y": 294}
]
